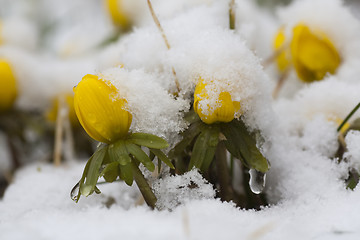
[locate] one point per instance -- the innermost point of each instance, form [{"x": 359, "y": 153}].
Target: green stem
[
  {"x": 232, "y": 15},
  {"x": 223, "y": 173},
  {"x": 348, "y": 117},
  {"x": 143, "y": 186}
]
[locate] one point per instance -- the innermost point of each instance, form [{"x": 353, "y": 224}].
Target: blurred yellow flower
[
  {"x": 224, "y": 112},
  {"x": 52, "y": 113},
  {"x": 312, "y": 54},
  {"x": 118, "y": 16},
  {"x": 283, "y": 59},
  {"x": 100, "y": 109},
  {"x": 8, "y": 90}
]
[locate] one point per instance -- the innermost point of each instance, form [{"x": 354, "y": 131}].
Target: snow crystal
[{"x": 172, "y": 191}]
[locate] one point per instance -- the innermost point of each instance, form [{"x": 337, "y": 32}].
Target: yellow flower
[
  {"x": 100, "y": 110},
  {"x": 8, "y": 90},
  {"x": 224, "y": 111},
  {"x": 52, "y": 113},
  {"x": 118, "y": 16},
  {"x": 312, "y": 54},
  {"x": 283, "y": 59}
]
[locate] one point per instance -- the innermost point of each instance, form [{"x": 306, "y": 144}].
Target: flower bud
[
  {"x": 117, "y": 14},
  {"x": 225, "y": 108},
  {"x": 313, "y": 55},
  {"x": 8, "y": 89},
  {"x": 100, "y": 109}
]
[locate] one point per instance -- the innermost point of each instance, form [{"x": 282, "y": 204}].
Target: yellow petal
[
  {"x": 314, "y": 55},
  {"x": 118, "y": 16},
  {"x": 100, "y": 110},
  {"x": 283, "y": 58},
  {"x": 8, "y": 90},
  {"x": 223, "y": 112}
]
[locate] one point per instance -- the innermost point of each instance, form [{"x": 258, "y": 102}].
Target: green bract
[{"x": 121, "y": 159}]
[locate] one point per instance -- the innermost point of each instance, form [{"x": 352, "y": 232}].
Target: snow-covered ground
[{"x": 305, "y": 186}]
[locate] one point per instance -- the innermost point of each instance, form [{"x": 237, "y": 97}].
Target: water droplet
[
  {"x": 74, "y": 194},
  {"x": 257, "y": 181}
]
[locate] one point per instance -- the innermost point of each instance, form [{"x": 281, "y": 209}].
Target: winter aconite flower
[
  {"x": 100, "y": 109},
  {"x": 8, "y": 90},
  {"x": 118, "y": 16},
  {"x": 312, "y": 53},
  {"x": 224, "y": 109}
]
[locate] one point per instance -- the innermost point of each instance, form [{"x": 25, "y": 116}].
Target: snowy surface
[
  {"x": 305, "y": 185},
  {"x": 38, "y": 206}
]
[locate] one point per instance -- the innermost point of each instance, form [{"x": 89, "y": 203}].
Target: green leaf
[
  {"x": 243, "y": 146},
  {"x": 93, "y": 171},
  {"x": 161, "y": 156},
  {"x": 140, "y": 155},
  {"x": 212, "y": 145},
  {"x": 111, "y": 172},
  {"x": 188, "y": 136},
  {"x": 204, "y": 148},
  {"x": 126, "y": 173},
  {"x": 191, "y": 117},
  {"x": 148, "y": 140},
  {"x": 118, "y": 152}
]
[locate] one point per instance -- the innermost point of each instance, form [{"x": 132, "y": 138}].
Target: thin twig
[
  {"x": 275, "y": 54},
  {"x": 348, "y": 117},
  {"x": 69, "y": 154},
  {"x": 232, "y": 15},
  {"x": 59, "y": 130},
  {"x": 283, "y": 77},
  {"x": 157, "y": 22}
]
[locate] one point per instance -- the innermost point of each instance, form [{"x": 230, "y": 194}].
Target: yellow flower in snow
[
  {"x": 8, "y": 90},
  {"x": 283, "y": 59},
  {"x": 223, "y": 112},
  {"x": 312, "y": 54},
  {"x": 118, "y": 16},
  {"x": 100, "y": 109},
  {"x": 52, "y": 113}
]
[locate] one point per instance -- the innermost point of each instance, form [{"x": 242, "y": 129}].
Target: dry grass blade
[{"x": 157, "y": 22}]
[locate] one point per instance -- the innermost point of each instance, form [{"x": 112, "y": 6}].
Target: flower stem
[
  {"x": 232, "y": 15},
  {"x": 348, "y": 117},
  {"x": 143, "y": 186},
  {"x": 223, "y": 173}
]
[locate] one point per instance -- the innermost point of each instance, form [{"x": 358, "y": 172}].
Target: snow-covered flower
[
  {"x": 101, "y": 110},
  {"x": 8, "y": 90},
  {"x": 313, "y": 42},
  {"x": 312, "y": 53},
  {"x": 224, "y": 110}
]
